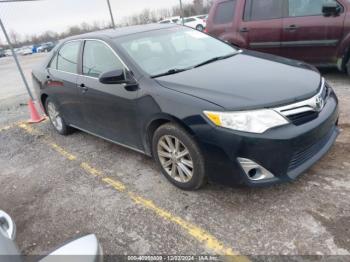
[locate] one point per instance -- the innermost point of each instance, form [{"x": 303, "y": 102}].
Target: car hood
[{"x": 248, "y": 80}]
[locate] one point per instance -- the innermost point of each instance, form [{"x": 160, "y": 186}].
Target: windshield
[{"x": 160, "y": 51}]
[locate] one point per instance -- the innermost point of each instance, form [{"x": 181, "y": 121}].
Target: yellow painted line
[
  {"x": 199, "y": 234},
  {"x": 28, "y": 128},
  {"x": 202, "y": 236},
  {"x": 116, "y": 184},
  {"x": 90, "y": 169},
  {"x": 63, "y": 152},
  {"x": 5, "y": 128}
]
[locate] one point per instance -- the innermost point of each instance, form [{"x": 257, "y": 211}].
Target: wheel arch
[
  {"x": 344, "y": 53},
  {"x": 43, "y": 99},
  {"x": 158, "y": 121}
]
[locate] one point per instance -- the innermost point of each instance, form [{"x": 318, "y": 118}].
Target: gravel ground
[{"x": 54, "y": 199}]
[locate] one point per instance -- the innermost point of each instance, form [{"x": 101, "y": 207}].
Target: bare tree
[
  {"x": 146, "y": 16},
  {"x": 15, "y": 38}
]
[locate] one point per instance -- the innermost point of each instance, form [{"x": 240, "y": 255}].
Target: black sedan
[{"x": 202, "y": 108}]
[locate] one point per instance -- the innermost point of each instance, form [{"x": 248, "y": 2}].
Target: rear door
[
  {"x": 61, "y": 84},
  {"x": 310, "y": 36},
  {"x": 262, "y": 25}
]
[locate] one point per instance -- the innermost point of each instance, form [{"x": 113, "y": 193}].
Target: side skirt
[{"x": 112, "y": 141}]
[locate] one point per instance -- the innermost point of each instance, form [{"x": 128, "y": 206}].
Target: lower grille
[{"x": 305, "y": 154}]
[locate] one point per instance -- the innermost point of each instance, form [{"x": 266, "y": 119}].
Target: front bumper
[{"x": 286, "y": 151}]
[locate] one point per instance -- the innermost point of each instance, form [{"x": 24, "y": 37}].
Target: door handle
[
  {"x": 7, "y": 226},
  {"x": 244, "y": 30},
  {"x": 291, "y": 27},
  {"x": 85, "y": 89}
]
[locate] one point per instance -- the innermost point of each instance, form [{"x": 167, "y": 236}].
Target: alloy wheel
[
  {"x": 175, "y": 158},
  {"x": 54, "y": 116}
]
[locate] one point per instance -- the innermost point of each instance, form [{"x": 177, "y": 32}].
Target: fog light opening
[{"x": 254, "y": 171}]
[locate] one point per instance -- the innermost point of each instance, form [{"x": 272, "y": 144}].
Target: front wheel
[
  {"x": 179, "y": 157},
  {"x": 56, "y": 118}
]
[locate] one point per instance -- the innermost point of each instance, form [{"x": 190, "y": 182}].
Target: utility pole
[
  {"x": 35, "y": 117},
  {"x": 16, "y": 60},
  {"x": 13, "y": 51},
  {"x": 111, "y": 13},
  {"x": 182, "y": 13}
]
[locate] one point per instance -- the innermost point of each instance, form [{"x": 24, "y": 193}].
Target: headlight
[{"x": 256, "y": 121}]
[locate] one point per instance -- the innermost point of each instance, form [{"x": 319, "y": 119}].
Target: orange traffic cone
[{"x": 35, "y": 117}]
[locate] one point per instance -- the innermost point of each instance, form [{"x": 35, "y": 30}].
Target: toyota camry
[{"x": 203, "y": 109}]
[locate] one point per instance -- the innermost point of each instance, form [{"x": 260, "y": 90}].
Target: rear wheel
[
  {"x": 348, "y": 66},
  {"x": 179, "y": 157},
  {"x": 200, "y": 28},
  {"x": 56, "y": 118}
]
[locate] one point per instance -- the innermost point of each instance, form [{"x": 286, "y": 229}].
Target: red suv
[{"x": 315, "y": 31}]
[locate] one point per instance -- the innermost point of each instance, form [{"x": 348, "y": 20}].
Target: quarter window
[
  {"x": 263, "y": 9},
  {"x": 225, "y": 12},
  {"x": 67, "y": 59},
  {"x": 307, "y": 7},
  {"x": 98, "y": 58},
  {"x": 53, "y": 63}
]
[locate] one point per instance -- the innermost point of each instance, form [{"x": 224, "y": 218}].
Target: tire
[
  {"x": 56, "y": 119},
  {"x": 174, "y": 166},
  {"x": 200, "y": 28},
  {"x": 348, "y": 67}
]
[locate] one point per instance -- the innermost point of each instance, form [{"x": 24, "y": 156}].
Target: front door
[
  {"x": 109, "y": 110},
  {"x": 262, "y": 25},
  {"x": 310, "y": 36}
]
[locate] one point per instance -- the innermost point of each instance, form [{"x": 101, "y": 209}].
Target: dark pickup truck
[{"x": 315, "y": 31}]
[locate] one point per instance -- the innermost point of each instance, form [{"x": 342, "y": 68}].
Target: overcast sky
[{"x": 56, "y": 15}]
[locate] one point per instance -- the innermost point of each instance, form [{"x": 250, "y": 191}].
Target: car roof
[{"x": 122, "y": 31}]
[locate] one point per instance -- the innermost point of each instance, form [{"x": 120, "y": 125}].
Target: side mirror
[
  {"x": 329, "y": 9},
  {"x": 113, "y": 77},
  {"x": 7, "y": 226}
]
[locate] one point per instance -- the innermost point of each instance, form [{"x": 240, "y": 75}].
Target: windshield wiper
[
  {"x": 178, "y": 70},
  {"x": 171, "y": 72},
  {"x": 215, "y": 59}
]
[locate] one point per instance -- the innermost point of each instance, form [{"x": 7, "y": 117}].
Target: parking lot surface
[{"x": 58, "y": 188}]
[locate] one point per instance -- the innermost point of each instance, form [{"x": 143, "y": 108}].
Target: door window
[
  {"x": 307, "y": 7},
  {"x": 67, "y": 59},
  {"x": 225, "y": 12},
  {"x": 263, "y": 9},
  {"x": 98, "y": 58},
  {"x": 189, "y": 20}
]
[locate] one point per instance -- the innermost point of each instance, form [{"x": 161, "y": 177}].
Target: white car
[
  {"x": 8, "y": 52},
  {"x": 170, "y": 20},
  {"x": 27, "y": 50},
  {"x": 195, "y": 23}
]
